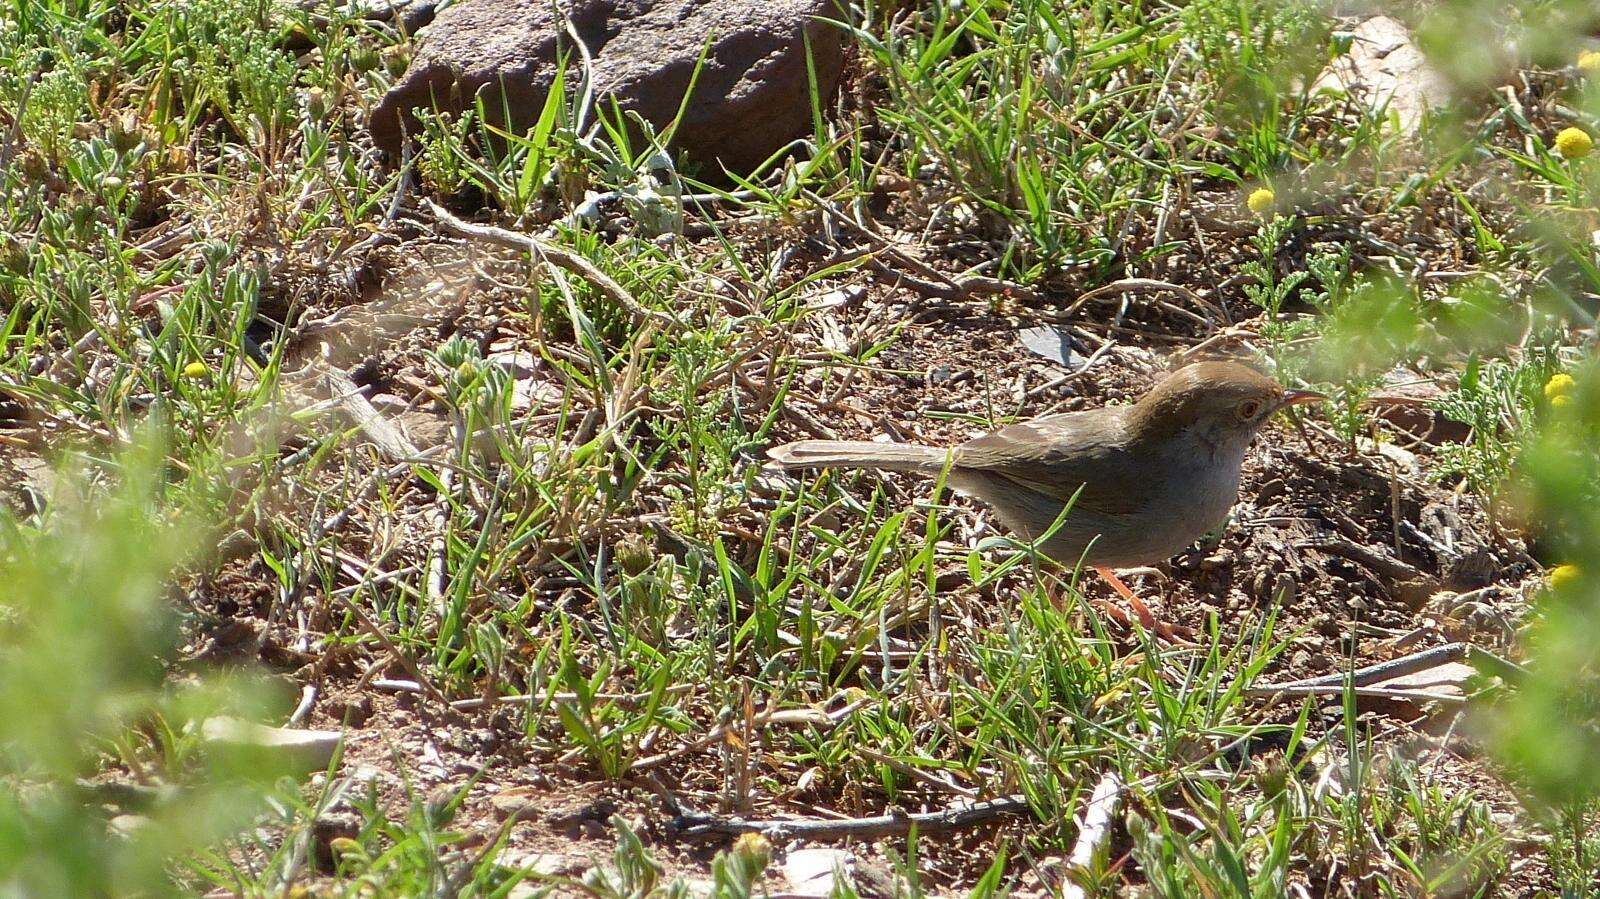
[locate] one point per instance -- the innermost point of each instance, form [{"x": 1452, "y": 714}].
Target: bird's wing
[{"x": 1059, "y": 455}]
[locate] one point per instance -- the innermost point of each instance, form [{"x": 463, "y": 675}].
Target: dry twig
[
  {"x": 896, "y": 823},
  {"x": 1383, "y": 671},
  {"x": 559, "y": 257},
  {"x": 1094, "y": 831},
  {"x": 1150, "y": 285}
]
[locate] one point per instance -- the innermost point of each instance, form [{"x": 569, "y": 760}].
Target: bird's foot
[{"x": 1172, "y": 633}]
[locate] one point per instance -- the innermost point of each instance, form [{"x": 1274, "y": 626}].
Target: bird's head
[{"x": 1222, "y": 404}]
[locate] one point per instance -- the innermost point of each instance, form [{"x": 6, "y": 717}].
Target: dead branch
[
  {"x": 911, "y": 272},
  {"x": 896, "y": 823},
  {"x": 1388, "y": 566},
  {"x": 720, "y": 732},
  {"x": 1382, "y": 671},
  {"x": 1396, "y": 695},
  {"x": 551, "y": 254},
  {"x": 1150, "y": 285},
  {"x": 1094, "y": 831},
  {"x": 384, "y": 435}
]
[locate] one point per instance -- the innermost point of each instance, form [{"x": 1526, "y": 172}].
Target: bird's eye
[{"x": 1249, "y": 409}]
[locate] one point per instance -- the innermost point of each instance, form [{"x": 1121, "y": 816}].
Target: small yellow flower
[
  {"x": 1574, "y": 143},
  {"x": 1261, "y": 200},
  {"x": 194, "y": 371},
  {"x": 1559, "y": 385},
  {"x": 1589, "y": 63},
  {"x": 1560, "y": 401},
  {"x": 1562, "y": 575}
]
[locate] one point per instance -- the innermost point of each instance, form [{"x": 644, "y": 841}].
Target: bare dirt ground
[{"x": 1355, "y": 556}]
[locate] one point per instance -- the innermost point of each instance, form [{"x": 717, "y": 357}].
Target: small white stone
[
  {"x": 302, "y": 750},
  {"x": 811, "y": 872}
]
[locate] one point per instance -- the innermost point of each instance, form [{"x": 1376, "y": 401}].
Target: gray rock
[
  {"x": 752, "y": 95},
  {"x": 1385, "y": 70}
]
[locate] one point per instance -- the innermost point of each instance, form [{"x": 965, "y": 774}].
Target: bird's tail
[{"x": 859, "y": 454}]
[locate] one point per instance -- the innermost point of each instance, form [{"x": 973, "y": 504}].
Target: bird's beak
[{"x": 1300, "y": 398}]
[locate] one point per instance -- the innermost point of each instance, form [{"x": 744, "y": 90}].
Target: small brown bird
[{"x": 1150, "y": 478}]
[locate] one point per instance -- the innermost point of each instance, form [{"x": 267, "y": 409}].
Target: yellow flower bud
[
  {"x": 341, "y": 846},
  {"x": 316, "y": 103},
  {"x": 1589, "y": 63},
  {"x": 1574, "y": 143},
  {"x": 194, "y": 371},
  {"x": 634, "y": 554},
  {"x": 754, "y": 847},
  {"x": 1261, "y": 200},
  {"x": 1563, "y": 575}
]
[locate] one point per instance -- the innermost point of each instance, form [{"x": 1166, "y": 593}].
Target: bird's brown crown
[{"x": 1220, "y": 393}]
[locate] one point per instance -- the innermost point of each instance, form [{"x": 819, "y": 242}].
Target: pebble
[
  {"x": 330, "y": 826},
  {"x": 1284, "y": 588},
  {"x": 353, "y": 711},
  {"x": 127, "y": 826},
  {"x": 517, "y": 802},
  {"x": 1271, "y": 490}
]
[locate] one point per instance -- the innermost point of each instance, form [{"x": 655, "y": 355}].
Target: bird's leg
[{"x": 1172, "y": 633}]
